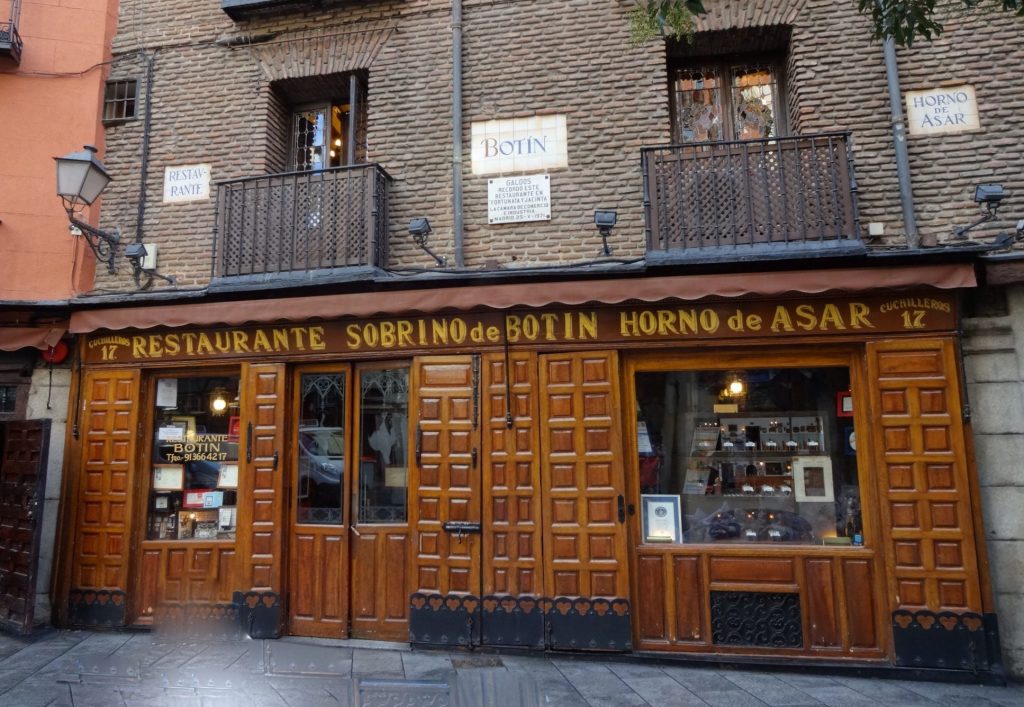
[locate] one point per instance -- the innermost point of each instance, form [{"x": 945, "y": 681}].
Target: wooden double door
[
  {"x": 518, "y": 509},
  {"x": 513, "y": 532}
]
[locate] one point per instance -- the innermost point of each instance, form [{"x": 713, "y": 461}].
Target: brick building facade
[{"x": 221, "y": 86}]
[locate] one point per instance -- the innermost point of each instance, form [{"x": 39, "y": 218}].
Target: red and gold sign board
[{"x": 664, "y": 323}]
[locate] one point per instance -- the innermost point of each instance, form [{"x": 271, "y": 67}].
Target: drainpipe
[
  {"x": 457, "y": 224},
  {"x": 140, "y": 218},
  {"x": 899, "y": 137}
]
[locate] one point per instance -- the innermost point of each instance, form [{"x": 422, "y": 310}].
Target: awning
[
  {"x": 507, "y": 296},
  {"x": 14, "y": 338}
]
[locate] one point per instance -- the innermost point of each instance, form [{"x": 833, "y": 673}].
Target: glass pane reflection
[{"x": 321, "y": 446}]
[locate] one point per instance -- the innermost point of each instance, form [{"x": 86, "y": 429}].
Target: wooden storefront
[{"x": 562, "y": 477}]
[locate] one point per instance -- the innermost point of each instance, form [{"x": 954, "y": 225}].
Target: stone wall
[
  {"x": 49, "y": 398},
  {"x": 993, "y": 348}
]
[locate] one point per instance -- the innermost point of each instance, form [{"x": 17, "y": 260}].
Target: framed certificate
[
  {"x": 168, "y": 477},
  {"x": 227, "y": 478},
  {"x": 812, "y": 479},
  {"x": 661, "y": 520}
]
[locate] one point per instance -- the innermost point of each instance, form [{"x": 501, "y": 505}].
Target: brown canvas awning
[
  {"x": 507, "y": 296},
  {"x": 14, "y": 338}
]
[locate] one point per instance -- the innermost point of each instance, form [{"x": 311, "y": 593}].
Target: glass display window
[
  {"x": 194, "y": 465},
  {"x": 753, "y": 456}
]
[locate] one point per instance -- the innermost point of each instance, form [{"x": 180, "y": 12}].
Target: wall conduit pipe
[
  {"x": 457, "y": 222},
  {"x": 899, "y": 137}
]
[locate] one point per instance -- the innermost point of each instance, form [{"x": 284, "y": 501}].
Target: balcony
[
  {"x": 246, "y": 9},
  {"x": 10, "y": 42},
  {"x": 777, "y": 198},
  {"x": 285, "y": 227}
]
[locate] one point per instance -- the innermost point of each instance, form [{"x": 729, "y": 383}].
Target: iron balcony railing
[
  {"x": 704, "y": 199},
  {"x": 301, "y": 221},
  {"x": 10, "y": 41}
]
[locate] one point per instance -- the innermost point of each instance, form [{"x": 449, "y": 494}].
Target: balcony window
[
  {"x": 738, "y": 98},
  {"x": 319, "y": 137}
]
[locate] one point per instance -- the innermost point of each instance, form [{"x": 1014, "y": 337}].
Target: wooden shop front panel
[{"x": 534, "y": 479}]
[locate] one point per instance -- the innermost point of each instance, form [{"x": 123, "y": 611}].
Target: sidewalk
[{"x": 92, "y": 669}]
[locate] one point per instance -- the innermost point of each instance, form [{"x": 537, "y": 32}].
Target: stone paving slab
[{"x": 109, "y": 669}]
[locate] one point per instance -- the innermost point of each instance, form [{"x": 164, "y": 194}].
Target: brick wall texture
[{"x": 212, "y": 104}]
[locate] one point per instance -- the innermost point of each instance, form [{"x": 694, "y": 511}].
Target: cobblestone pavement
[{"x": 94, "y": 669}]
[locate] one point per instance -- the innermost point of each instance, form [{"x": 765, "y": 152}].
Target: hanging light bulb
[
  {"x": 218, "y": 401},
  {"x": 736, "y": 387}
]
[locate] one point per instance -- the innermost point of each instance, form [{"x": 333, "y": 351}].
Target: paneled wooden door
[
  {"x": 320, "y": 475},
  {"x": 380, "y": 499},
  {"x": 517, "y": 456}
]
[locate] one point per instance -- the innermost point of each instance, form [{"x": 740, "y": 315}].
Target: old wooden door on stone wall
[{"x": 22, "y": 484}]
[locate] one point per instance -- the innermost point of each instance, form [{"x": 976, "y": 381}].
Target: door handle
[
  {"x": 419, "y": 443},
  {"x": 248, "y": 443},
  {"x": 473, "y": 455},
  {"x": 622, "y": 508},
  {"x": 276, "y": 456}
]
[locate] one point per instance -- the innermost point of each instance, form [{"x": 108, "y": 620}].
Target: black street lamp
[{"x": 80, "y": 180}]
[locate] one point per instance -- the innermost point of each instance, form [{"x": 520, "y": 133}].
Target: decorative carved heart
[
  {"x": 508, "y": 604},
  {"x": 418, "y": 602},
  {"x": 453, "y": 603},
  {"x": 563, "y": 606},
  {"x": 602, "y": 607},
  {"x": 973, "y": 623},
  {"x": 925, "y": 621},
  {"x": 269, "y": 600},
  {"x": 470, "y": 603},
  {"x": 436, "y": 602},
  {"x": 903, "y": 620},
  {"x": 527, "y": 605},
  {"x": 490, "y": 604},
  {"x": 948, "y": 622}
]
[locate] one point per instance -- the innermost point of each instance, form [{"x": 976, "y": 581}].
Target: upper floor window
[
  {"x": 319, "y": 137},
  {"x": 119, "y": 100},
  {"x": 319, "y": 122},
  {"x": 732, "y": 98}
]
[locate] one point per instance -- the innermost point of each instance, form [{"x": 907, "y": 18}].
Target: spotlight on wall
[
  {"x": 80, "y": 180},
  {"x": 989, "y": 196},
  {"x": 136, "y": 254},
  {"x": 419, "y": 229},
  {"x": 605, "y": 220}
]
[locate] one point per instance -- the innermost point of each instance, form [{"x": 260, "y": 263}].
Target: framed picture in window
[
  {"x": 188, "y": 423},
  {"x": 661, "y": 520},
  {"x": 228, "y": 476},
  {"x": 234, "y": 428},
  {"x": 812, "y": 479},
  {"x": 844, "y": 404},
  {"x": 168, "y": 477}
]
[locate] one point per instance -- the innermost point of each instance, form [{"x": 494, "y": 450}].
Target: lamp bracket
[
  {"x": 421, "y": 241},
  {"x": 102, "y": 243},
  {"x": 605, "y": 232},
  {"x": 960, "y": 232},
  {"x": 144, "y": 278}
]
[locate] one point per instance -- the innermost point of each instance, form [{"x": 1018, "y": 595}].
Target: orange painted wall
[{"x": 50, "y": 105}]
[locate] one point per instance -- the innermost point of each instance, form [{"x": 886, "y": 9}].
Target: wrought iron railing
[
  {"x": 300, "y": 221},
  {"x": 10, "y": 41},
  {"x": 702, "y": 198}
]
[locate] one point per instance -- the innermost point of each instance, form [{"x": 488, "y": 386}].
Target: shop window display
[
  {"x": 194, "y": 468},
  {"x": 748, "y": 456}
]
